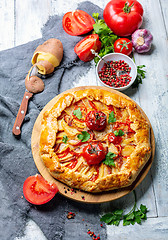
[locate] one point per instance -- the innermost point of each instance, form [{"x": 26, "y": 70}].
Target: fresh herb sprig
[
  {"x": 107, "y": 37},
  {"x": 134, "y": 216},
  {"x": 140, "y": 76}
]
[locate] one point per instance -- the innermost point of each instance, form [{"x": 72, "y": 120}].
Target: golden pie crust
[{"x": 132, "y": 155}]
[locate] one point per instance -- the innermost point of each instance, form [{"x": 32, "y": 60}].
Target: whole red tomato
[
  {"x": 123, "y": 45},
  {"x": 77, "y": 22},
  {"x": 83, "y": 48},
  {"x": 96, "y": 120},
  {"x": 123, "y": 17},
  {"x": 114, "y": 139},
  {"x": 38, "y": 191},
  {"x": 94, "y": 153}
]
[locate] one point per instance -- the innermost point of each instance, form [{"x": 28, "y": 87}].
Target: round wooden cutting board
[{"x": 74, "y": 193}]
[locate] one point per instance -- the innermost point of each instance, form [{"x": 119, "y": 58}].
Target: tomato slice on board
[
  {"x": 38, "y": 191},
  {"x": 83, "y": 48},
  {"x": 77, "y": 22}
]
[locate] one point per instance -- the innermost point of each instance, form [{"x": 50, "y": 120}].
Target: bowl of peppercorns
[{"x": 117, "y": 71}]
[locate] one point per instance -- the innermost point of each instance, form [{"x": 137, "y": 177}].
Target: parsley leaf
[
  {"x": 111, "y": 117},
  {"x": 140, "y": 76},
  {"x": 106, "y": 36},
  {"x": 64, "y": 139},
  {"x": 78, "y": 113},
  {"x": 119, "y": 133},
  {"x": 112, "y": 218},
  {"x": 84, "y": 136},
  {"x": 134, "y": 216},
  {"x": 109, "y": 159}
]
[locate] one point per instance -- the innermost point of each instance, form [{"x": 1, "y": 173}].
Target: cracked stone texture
[{"x": 16, "y": 162}]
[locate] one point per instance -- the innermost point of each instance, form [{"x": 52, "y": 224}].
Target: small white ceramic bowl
[{"x": 116, "y": 57}]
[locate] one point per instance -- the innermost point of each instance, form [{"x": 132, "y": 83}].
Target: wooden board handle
[{"x": 21, "y": 113}]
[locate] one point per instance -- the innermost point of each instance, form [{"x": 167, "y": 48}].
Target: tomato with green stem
[
  {"x": 123, "y": 17},
  {"x": 123, "y": 45},
  {"x": 94, "y": 153}
]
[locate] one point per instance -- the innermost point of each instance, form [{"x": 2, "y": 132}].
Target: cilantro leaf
[
  {"x": 111, "y": 117},
  {"x": 106, "y": 36},
  {"x": 78, "y": 113},
  {"x": 64, "y": 139},
  {"x": 109, "y": 159},
  {"x": 84, "y": 136},
  {"x": 119, "y": 133},
  {"x": 140, "y": 76}
]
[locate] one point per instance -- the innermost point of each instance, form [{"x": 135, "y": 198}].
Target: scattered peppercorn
[
  {"x": 93, "y": 235},
  {"x": 117, "y": 75},
  {"x": 71, "y": 215},
  {"x": 83, "y": 197}
]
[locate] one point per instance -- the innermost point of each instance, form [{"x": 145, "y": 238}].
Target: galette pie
[{"x": 94, "y": 140}]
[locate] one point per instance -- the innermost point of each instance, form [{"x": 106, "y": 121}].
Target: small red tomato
[
  {"x": 114, "y": 139},
  {"x": 94, "y": 153},
  {"x": 96, "y": 120},
  {"x": 77, "y": 22},
  {"x": 38, "y": 191},
  {"x": 83, "y": 47},
  {"x": 123, "y": 45}
]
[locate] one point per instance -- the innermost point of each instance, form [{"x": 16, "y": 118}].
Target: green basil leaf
[
  {"x": 64, "y": 139},
  {"x": 111, "y": 117},
  {"x": 84, "y": 136},
  {"x": 78, "y": 113}
]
